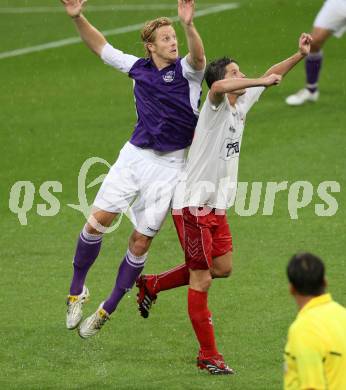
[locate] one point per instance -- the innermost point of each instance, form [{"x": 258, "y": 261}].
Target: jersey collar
[
  {"x": 150, "y": 63},
  {"x": 320, "y": 300}
]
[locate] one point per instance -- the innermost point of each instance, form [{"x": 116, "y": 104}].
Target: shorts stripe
[{"x": 202, "y": 237}]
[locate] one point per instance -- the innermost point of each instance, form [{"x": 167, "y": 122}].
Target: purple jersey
[{"x": 167, "y": 100}]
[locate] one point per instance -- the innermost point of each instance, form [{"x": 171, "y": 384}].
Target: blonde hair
[{"x": 148, "y": 33}]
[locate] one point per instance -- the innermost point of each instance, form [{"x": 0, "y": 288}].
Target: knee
[
  {"x": 139, "y": 244},
  {"x": 224, "y": 272},
  {"x": 99, "y": 221},
  {"x": 90, "y": 229},
  {"x": 205, "y": 284},
  {"x": 201, "y": 282}
]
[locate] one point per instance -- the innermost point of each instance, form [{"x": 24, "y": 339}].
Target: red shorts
[{"x": 203, "y": 237}]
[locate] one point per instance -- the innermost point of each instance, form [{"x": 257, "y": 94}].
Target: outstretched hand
[
  {"x": 272, "y": 79},
  {"x": 73, "y": 7},
  {"x": 305, "y": 44},
  {"x": 186, "y": 9}
]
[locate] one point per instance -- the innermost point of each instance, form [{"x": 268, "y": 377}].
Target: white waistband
[{"x": 177, "y": 157}]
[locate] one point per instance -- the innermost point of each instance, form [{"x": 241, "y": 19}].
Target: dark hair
[
  {"x": 216, "y": 70},
  {"x": 305, "y": 272}
]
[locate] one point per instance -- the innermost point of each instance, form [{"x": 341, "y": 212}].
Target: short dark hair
[
  {"x": 216, "y": 70},
  {"x": 305, "y": 272}
]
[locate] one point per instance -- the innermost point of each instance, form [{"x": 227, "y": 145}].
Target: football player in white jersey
[
  {"x": 331, "y": 20},
  {"x": 206, "y": 190}
]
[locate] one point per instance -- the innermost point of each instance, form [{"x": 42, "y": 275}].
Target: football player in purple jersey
[
  {"x": 331, "y": 20},
  {"x": 167, "y": 90}
]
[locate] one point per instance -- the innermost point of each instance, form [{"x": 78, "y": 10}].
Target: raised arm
[
  {"x": 285, "y": 66},
  {"x": 219, "y": 88},
  {"x": 196, "y": 57},
  {"x": 89, "y": 34}
]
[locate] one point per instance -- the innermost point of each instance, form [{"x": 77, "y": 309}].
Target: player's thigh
[
  {"x": 153, "y": 203},
  {"x": 198, "y": 241},
  {"x": 222, "y": 247},
  {"x": 178, "y": 220},
  {"x": 120, "y": 187},
  {"x": 222, "y": 266}
]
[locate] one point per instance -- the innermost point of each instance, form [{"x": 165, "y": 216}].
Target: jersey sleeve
[
  {"x": 191, "y": 74},
  {"x": 117, "y": 59},
  {"x": 250, "y": 97},
  {"x": 308, "y": 354}
]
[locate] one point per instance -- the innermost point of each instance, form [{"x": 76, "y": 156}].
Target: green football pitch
[{"x": 61, "y": 106}]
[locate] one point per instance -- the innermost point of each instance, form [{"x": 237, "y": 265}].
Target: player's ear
[
  {"x": 325, "y": 283},
  {"x": 292, "y": 290},
  {"x": 150, "y": 47}
]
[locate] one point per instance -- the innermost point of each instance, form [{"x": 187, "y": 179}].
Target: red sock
[
  {"x": 175, "y": 277},
  {"x": 200, "y": 317}
]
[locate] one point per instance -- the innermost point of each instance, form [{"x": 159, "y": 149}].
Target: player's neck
[
  {"x": 160, "y": 62},
  {"x": 232, "y": 99},
  {"x": 303, "y": 300}
]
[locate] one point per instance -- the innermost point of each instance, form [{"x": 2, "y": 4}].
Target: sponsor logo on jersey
[
  {"x": 232, "y": 129},
  {"x": 236, "y": 114},
  {"x": 169, "y": 76},
  {"x": 230, "y": 148}
]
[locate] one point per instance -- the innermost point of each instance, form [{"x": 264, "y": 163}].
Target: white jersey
[{"x": 211, "y": 172}]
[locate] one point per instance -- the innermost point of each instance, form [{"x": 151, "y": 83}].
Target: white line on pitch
[
  {"x": 95, "y": 8},
  {"x": 116, "y": 31}
]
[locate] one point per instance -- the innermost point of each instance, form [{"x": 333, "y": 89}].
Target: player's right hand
[
  {"x": 272, "y": 79},
  {"x": 73, "y": 7},
  {"x": 305, "y": 41},
  {"x": 186, "y": 9}
]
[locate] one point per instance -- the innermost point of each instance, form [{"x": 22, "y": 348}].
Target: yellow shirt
[{"x": 315, "y": 353}]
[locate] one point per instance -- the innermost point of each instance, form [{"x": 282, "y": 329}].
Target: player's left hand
[
  {"x": 186, "y": 9},
  {"x": 272, "y": 79},
  {"x": 305, "y": 44}
]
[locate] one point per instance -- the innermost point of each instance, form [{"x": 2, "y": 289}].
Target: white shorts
[
  {"x": 141, "y": 183},
  {"x": 332, "y": 17}
]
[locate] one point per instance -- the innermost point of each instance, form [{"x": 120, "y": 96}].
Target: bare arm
[
  {"x": 196, "y": 57},
  {"x": 89, "y": 34},
  {"x": 285, "y": 66},
  {"x": 219, "y": 88}
]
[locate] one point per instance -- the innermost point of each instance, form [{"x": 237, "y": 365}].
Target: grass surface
[{"x": 62, "y": 106}]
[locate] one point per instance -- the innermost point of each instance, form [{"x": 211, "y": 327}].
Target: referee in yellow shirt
[{"x": 315, "y": 353}]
